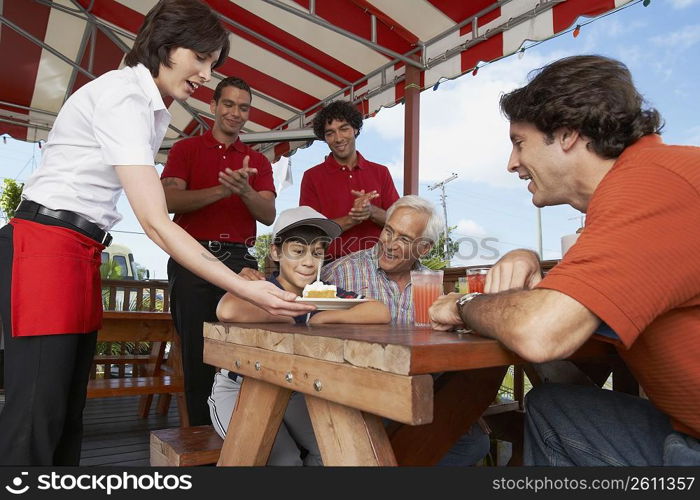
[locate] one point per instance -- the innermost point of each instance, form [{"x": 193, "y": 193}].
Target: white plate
[{"x": 331, "y": 304}]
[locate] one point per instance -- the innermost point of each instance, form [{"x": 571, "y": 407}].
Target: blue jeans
[
  {"x": 588, "y": 426},
  {"x": 469, "y": 448}
]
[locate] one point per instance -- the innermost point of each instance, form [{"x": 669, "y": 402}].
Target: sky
[{"x": 463, "y": 132}]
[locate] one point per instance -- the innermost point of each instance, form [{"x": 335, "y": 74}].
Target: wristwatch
[{"x": 463, "y": 300}]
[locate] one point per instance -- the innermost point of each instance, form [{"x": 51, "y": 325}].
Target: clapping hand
[
  {"x": 362, "y": 208},
  {"x": 236, "y": 181}
]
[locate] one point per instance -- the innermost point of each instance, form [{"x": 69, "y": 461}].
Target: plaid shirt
[{"x": 360, "y": 272}]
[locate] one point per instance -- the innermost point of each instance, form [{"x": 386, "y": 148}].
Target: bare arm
[
  {"x": 539, "y": 325},
  {"x": 232, "y": 309},
  {"x": 181, "y": 200},
  {"x": 143, "y": 189},
  {"x": 261, "y": 205},
  {"x": 377, "y": 215},
  {"x": 367, "y": 313},
  {"x": 346, "y": 222}
]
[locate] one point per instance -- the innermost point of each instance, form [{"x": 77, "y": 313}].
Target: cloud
[
  {"x": 462, "y": 129},
  {"x": 468, "y": 227},
  {"x": 681, "y": 39},
  {"x": 692, "y": 137},
  {"x": 682, "y": 4}
]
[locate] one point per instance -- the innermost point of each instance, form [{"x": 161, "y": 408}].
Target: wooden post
[
  {"x": 411, "y": 129},
  {"x": 254, "y": 423},
  {"x": 347, "y": 436}
]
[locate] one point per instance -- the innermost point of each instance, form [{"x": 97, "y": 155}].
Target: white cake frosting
[{"x": 318, "y": 286}]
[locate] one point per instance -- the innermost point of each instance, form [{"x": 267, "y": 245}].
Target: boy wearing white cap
[{"x": 299, "y": 240}]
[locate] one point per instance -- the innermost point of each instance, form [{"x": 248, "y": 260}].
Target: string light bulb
[
  {"x": 577, "y": 30},
  {"x": 521, "y": 53},
  {"x": 476, "y": 70},
  {"x": 646, "y": 3}
]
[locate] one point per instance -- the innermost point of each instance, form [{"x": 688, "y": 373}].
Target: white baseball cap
[{"x": 305, "y": 216}]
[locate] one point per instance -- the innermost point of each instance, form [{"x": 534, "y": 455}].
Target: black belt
[
  {"x": 28, "y": 210},
  {"x": 216, "y": 246}
]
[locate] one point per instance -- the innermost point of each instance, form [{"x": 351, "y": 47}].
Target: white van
[{"x": 122, "y": 256}]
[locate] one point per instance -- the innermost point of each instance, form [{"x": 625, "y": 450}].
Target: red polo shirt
[
  {"x": 326, "y": 188},
  {"x": 198, "y": 161}
]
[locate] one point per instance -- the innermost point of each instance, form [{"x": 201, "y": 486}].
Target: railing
[
  {"x": 132, "y": 295},
  {"x": 129, "y": 358}
]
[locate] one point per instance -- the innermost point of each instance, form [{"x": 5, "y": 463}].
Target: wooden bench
[
  {"x": 156, "y": 328},
  {"x": 135, "y": 386},
  {"x": 185, "y": 446}
]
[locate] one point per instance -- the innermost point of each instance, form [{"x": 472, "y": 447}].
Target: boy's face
[{"x": 299, "y": 263}]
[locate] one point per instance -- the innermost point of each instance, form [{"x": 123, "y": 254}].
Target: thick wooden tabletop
[{"x": 405, "y": 350}]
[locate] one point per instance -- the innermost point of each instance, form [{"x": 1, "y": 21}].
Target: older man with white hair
[{"x": 383, "y": 272}]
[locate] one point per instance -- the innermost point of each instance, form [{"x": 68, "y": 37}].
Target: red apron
[{"x": 56, "y": 285}]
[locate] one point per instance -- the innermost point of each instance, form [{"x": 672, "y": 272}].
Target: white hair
[{"x": 435, "y": 224}]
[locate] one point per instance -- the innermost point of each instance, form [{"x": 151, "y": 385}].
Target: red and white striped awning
[{"x": 295, "y": 54}]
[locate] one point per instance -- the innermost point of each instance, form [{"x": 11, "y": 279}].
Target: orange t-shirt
[{"x": 637, "y": 267}]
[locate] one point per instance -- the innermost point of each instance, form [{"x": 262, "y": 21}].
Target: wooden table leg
[
  {"x": 152, "y": 368},
  {"x": 347, "y": 436},
  {"x": 475, "y": 390},
  {"x": 254, "y": 423}
]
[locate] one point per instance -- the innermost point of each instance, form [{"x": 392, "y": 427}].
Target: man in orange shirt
[{"x": 581, "y": 136}]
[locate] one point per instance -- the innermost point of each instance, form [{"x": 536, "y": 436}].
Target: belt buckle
[
  {"x": 107, "y": 240},
  {"x": 211, "y": 244}
]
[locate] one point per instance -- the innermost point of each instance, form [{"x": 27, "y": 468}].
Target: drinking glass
[
  {"x": 427, "y": 287},
  {"x": 476, "y": 277}
]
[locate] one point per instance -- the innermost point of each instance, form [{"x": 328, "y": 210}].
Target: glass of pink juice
[
  {"x": 426, "y": 288},
  {"x": 476, "y": 277}
]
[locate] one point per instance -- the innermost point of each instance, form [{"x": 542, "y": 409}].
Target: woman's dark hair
[
  {"x": 189, "y": 24},
  {"x": 231, "y": 81},
  {"x": 337, "y": 110},
  {"x": 591, "y": 94}
]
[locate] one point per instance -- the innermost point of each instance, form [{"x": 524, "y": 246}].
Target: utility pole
[
  {"x": 443, "y": 200},
  {"x": 539, "y": 233}
]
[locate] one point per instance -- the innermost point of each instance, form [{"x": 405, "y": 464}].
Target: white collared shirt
[{"x": 116, "y": 119}]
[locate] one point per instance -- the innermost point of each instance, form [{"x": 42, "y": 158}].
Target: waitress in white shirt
[{"x": 104, "y": 139}]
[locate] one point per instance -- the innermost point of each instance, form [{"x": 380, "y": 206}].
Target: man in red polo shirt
[
  {"x": 346, "y": 188},
  {"x": 218, "y": 188}
]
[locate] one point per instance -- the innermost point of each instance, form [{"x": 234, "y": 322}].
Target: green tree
[
  {"x": 10, "y": 197},
  {"x": 262, "y": 249},
  {"x": 437, "y": 258},
  {"x": 110, "y": 271},
  {"x": 140, "y": 271}
]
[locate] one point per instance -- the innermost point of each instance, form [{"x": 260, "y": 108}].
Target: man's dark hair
[
  {"x": 231, "y": 81},
  {"x": 189, "y": 24},
  {"x": 593, "y": 95},
  {"x": 337, "y": 110}
]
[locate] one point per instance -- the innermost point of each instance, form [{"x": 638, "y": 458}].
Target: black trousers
[
  {"x": 193, "y": 302},
  {"x": 46, "y": 380}
]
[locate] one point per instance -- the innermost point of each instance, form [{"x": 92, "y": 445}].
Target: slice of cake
[{"x": 319, "y": 290}]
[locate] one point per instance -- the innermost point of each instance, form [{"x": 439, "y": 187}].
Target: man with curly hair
[
  {"x": 347, "y": 188},
  {"x": 581, "y": 136}
]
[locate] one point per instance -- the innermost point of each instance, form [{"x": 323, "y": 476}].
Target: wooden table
[
  {"x": 352, "y": 375},
  {"x": 154, "y": 327}
]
